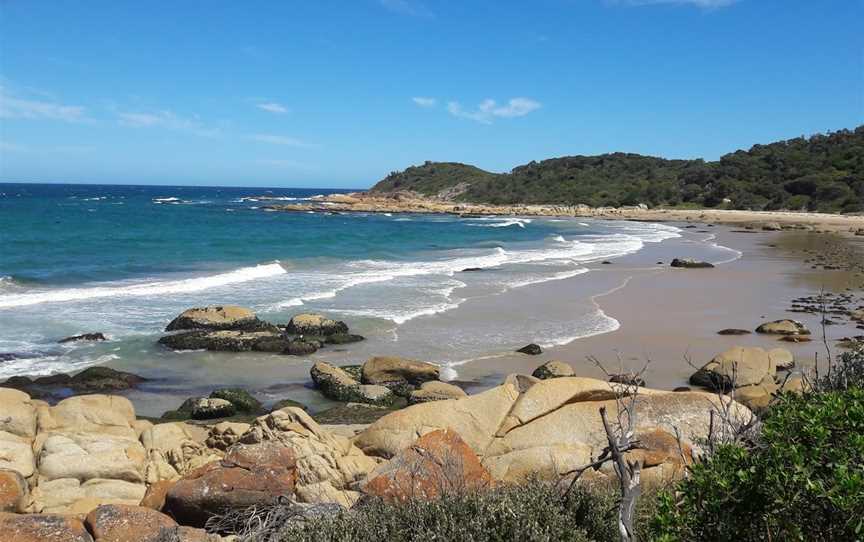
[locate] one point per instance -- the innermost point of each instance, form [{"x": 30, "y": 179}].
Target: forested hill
[{"x": 820, "y": 173}]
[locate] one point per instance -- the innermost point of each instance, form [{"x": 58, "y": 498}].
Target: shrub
[
  {"x": 803, "y": 480},
  {"x": 534, "y": 511}
]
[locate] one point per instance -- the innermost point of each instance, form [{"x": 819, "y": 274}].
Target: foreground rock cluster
[{"x": 88, "y": 469}]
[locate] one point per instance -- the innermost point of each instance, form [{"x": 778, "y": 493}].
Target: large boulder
[
  {"x": 70, "y": 496},
  {"x": 85, "y": 456},
  {"x": 42, "y": 528},
  {"x": 248, "y": 475},
  {"x": 338, "y": 385},
  {"x": 219, "y": 317},
  {"x": 18, "y": 413},
  {"x": 782, "y": 358},
  {"x": 783, "y": 327},
  {"x": 124, "y": 523},
  {"x": 315, "y": 325},
  {"x": 553, "y": 369},
  {"x": 531, "y": 349},
  {"x": 16, "y": 454},
  {"x": 328, "y": 465},
  {"x": 435, "y": 390},
  {"x": 223, "y": 435},
  {"x": 549, "y": 427},
  {"x": 736, "y": 367},
  {"x": 399, "y": 374},
  {"x": 475, "y": 418},
  {"x": 14, "y": 492},
  {"x": 106, "y": 414},
  {"x": 438, "y": 463}
]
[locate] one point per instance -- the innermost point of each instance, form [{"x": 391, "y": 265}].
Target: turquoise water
[{"x": 124, "y": 260}]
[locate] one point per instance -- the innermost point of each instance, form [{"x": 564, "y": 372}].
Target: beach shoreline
[{"x": 364, "y": 202}]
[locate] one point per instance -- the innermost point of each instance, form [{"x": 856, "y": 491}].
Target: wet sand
[{"x": 668, "y": 316}]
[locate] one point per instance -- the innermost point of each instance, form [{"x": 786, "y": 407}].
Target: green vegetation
[{"x": 820, "y": 173}]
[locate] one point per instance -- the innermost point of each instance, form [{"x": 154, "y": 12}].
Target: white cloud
[
  {"x": 706, "y": 4},
  {"x": 489, "y": 110},
  {"x": 415, "y": 8},
  {"x": 272, "y": 107},
  {"x": 424, "y": 102},
  {"x": 12, "y": 107},
  {"x": 167, "y": 120},
  {"x": 281, "y": 140}
]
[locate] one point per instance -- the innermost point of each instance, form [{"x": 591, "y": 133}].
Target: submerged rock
[
  {"x": 734, "y": 331},
  {"x": 84, "y": 337}
]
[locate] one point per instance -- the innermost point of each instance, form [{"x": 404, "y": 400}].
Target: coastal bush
[
  {"x": 802, "y": 480},
  {"x": 534, "y": 511},
  {"x": 819, "y": 173}
]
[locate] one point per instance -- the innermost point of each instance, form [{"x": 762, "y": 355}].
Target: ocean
[{"x": 124, "y": 260}]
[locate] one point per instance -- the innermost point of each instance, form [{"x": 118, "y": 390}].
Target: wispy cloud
[
  {"x": 282, "y": 140},
  {"x": 489, "y": 109},
  {"x": 15, "y": 107},
  {"x": 167, "y": 120},
  {"x": 705, "y": 4},
  {"x": 6, "y": 146},
  {"x": 415, "y": 8},
  {"x": 272, "y": 107},
  {"x": 424, "y": 102},
  {"x": 286, "y": 164}
]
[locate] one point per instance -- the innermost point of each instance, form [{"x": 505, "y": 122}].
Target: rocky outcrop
[
  {"x": 553, "y": 369},
  {"x": 338, "y": 385},
  {"x": 123, "y": 523},
  {"x": 438, "y": 463},
  {"x": 435, "y": 390},
  {"x": 544, "y": 427},
  {"x": 734, "y": 331},
  {"x": 315, "y": 325},
  {"x": 783, "y": 327},
  {"x": 328, "y": 465},
  {"x": 689, "y": 263},
  {"x": 235, "y": 329},
  {"x": 175, "y": 449},
  {"x": 216, "y": 318},
  {"x": 248, "y": 475}
]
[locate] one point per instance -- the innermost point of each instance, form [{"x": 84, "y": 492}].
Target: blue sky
[{"x": 338, "y": 93}]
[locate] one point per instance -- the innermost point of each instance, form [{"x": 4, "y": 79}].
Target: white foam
[
  {"x": 244, "y": 274},
  {"x": 503, "y": 222},
  {"x": 166, "y": 200}
]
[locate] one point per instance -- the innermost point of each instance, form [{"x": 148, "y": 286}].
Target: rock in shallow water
[
  {"x": 315, "y": 324},
  {"x": 531, "y": 349},
  {"x": 689, "y": 263},
  {"x": 553, "y": 369},
  {"x": 783, "y": 327},
  {"x": 84, "y": 337}
]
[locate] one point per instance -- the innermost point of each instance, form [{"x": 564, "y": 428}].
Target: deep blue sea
[{"x": 124, "y": 260}]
